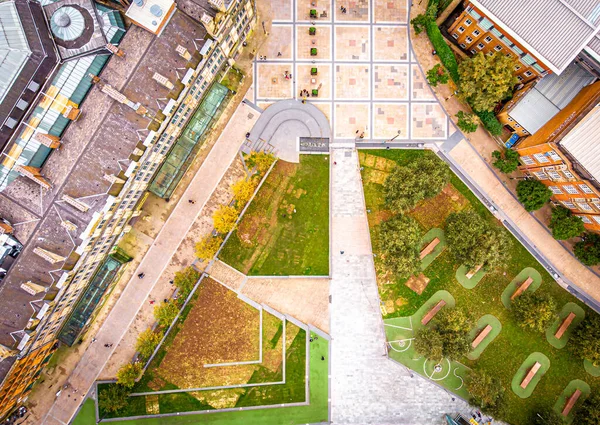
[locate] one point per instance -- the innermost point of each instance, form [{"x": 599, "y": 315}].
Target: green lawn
[
  {"x": 316, "y": 411},
  {"x": 87, "y": 414},
  {"x": 285, "y": 230},
  {"x": 505, "y": 355}
]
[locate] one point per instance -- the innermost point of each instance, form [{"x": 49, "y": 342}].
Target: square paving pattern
[
  {"x": 352, "y": 81},
  {"x": 391, "y": 11},
  {"x": 280, "y": 40},
  {"x": 391, "y": 82},
  {"x": 323, "y": 8},
  {"x": 391, "y": 44},
  {"x": 429, "y": 121},
  {"x": 321, "y": 41},
  {"x": 355, "y": 11},
  {"x": 352, "y": 43},
  {"x": 391, "y": 120}
]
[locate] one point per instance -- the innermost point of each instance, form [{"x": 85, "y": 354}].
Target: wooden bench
[
  {"x": 522, "y": 288},
  {"x": 481, "y": 336},
  {"x": 427, "y": 318},
  {"x": 530, "y": 374},
  {"x": 571, "y": 402},
  {"x": 429, "y": 248},
  {"x": 565, "y": 325},
  {"x": 473, "y": 271}
]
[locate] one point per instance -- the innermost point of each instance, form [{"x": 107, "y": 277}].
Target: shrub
[
  {"x": 467, "y": 122},
  {"x": 533, "y": 194},
  {"x": 113, "y": 398},
  {"x": 588, "y": 249},
  {"x": 208, "y": 246},
  {"x": 490, "y": 122},
  {"x": 165, "y": 313},
  {"x": 313, "y": 71},
  {"x": 585, "y": 340},
  {"x": 128, "y": 373},
  {"x": 243, "y": 190},
  {"x": 147, "y": 342},
  {"x": 315, "y": 92},
  {"x": 313, "y": 51},
  {"x": 564, "y": 224},
  {"x": 313, "y": 13},
  {"x": 436, "y": 75},
  {"x": 185, "y": 280},
  {"x": 534, "y": 311},
  {"x": 486, "y": 391},
  {"x": 419, "y": 23},
  {"x": 506, "y": 163},
  {"x": 589, "y": 412},
  {"x": 447, "y": 337},
  {"x": 261, "y": 160},
  {"x": 224, "y": 218},
  {"x": 444, "y": 51},
  {"x": 400, "y": 240},
  {"x": 312, "y": 30}
]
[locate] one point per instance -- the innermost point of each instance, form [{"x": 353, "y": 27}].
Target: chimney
[
  {"x": 32, "y": 288},
  {"x": 48, "y": 140},
  {"x": 183, "y": 52},
  {"x": 162, "y": 80},
  {"x": 49, "y": 256},
  {"x": 75, "y": 203},
  {"x": 34, "y": 174}
]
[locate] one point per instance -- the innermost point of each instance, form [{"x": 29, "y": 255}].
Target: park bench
[
  {"x": 429, "y": 248},
  {"x": 427, "y": 318},
  {"x": 481, "y": 336},
  {"x": 530, "y": 374},
  {"x": 473, "y": 271},
  {"x": 522, "y": 288},
  {"x": 571, "y": 402},
  {"x": 565, "y": 325}
]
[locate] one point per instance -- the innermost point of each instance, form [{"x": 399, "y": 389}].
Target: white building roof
[
  {"x": 14, "y": 49},
  {"x": 583, "y": 143},
  {"x": 150, "y": 13},
  {"x": 553, "y": 30}
]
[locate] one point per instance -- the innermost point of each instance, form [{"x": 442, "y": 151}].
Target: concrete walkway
[
  {"x": 367, "y": 387},
  {"x": 153, "y": 264}
]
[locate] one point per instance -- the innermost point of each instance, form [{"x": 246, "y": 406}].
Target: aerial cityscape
[{"x": 270, "y": 212}]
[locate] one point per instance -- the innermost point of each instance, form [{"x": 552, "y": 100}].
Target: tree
[
  {"x": 589, "y": 412},
  {"x": 146, "y": 342},
  {"x": 533, "y": 194},
  {"x": 261, "y": 160},
  {"x": 486, "y": 391},
  {"x": 113, "y": 398},
  {"x": 506, "y": 163},
  {"x": 185, "y": 280},
  {"x": 585, "y": 340},
  {"x": 533, "y": 310},
  {"x": 208, "y": 246},
  {"x": 128, "y": 373},
  {"x": 473, "y": 241},
  {"x": 467, "y": 122},
  {"x": 243, "y": 190},
  {"x": 400, "y": 238},
  {"x": 436, "y": 75},
  {"x": 564, "y": 224},
  {"x": 419, "y": 23},
  {"x": 224, "y": 218},
  {"x": 486, "y": 80},
  {"x": 588, "y": 249},
  {"x": 448, "y": 336},
  {"x": 420, "y": 179},
  {"x": 546, "y": 417},
  {"x": 165, "y": 313}
]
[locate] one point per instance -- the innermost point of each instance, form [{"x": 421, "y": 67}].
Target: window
[
  {"x": 555, "y": 190},
  {"x": 476, "y": 33},
  {"x": 469, "y": 40},
  {"x": 517, "y": 125},
  {"x": 519, "y": 78},
  {"x": 568, "y": 174},
  {"x": 571, "y": 189},
  {"x": 498, "y": 48},
  {"x": 517, "y": 67},
  {"x": 527, "y": 160},
  {"x": 554, "y": 175},
  {"x": 568, "y": 204},
  {"x": 540, "y": 175},
  {"x": 541, "y": 158},
  {"x": 473, "y": 51},
  {"x": 510, "y": 119},
  {"x": 455, "y": 35},
  {"x": 462, "y": 45},
  {"x": 480, "y": 46},
  {"x": 596, "y": 218},
  {"x": 585, "y": 188},
  {"x": 488, "y": 39},
  {"x": 468, "y": 22},
  {"x": 585, "y": 206},
  {"x": 528, "y": 73},
  {"x": 554, "y": 156},
  {"x": 585, "y": 219}
]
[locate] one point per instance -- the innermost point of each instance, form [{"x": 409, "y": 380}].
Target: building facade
[
  {"x": 96, "y": 223},
  {"x": 564, "y": 154}
]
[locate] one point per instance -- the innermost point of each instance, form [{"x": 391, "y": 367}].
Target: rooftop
[
  {"x": 150, "y": 14},
  {"x": 583, "y": 143},
  {"x": 553, "y": 30}
]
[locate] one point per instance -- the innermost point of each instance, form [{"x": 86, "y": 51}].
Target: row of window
[
  {"x": 554, "y": 175},
  {"x": 541, "y": 158},
  {"x": 571, "y": 189}
]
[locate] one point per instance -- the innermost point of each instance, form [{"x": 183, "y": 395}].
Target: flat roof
[
  {"x": 583, "y": 143},
  {"x": 150, "y": 13}
]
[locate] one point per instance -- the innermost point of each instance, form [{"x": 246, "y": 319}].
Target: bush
[
  {"x": 564, "y": 224},
  {"x": 506, "y": 163},
  {"x": 444, "y": 51},
  {"x": 185, "y": 280},
  {"x": 534, "y": 311},
  {"x": 400, "y": 240},
  {"x": 208, "y": 246},
  {"x": 313, "y": 51},
  {"x": 224, "y": 218},
  {"x": 589, "y": 412},
  {"x": 467, "y": 122},
  {"x": 113, "y": 398},
  {"x": 243, "y": 190},
  {"x": 447, "y": 337},
  {"x": 533, "y": 194},
  {"x": 585, "y": 340},
  {"x": 147, "y": 342},
  {"x": 261, "y": 160},
  {"x": 486, "y": 391},
  {"x": 490, "y": 122},
  {"x": 165, "y": 313},
  {"x": 436, "y": 75},
  {"x": 588, "y": 249},
  {"x": 128, "y": 373},
  {"x": 312, "y": 30}
]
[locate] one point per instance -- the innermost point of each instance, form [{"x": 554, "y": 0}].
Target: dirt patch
[
  {"x": 418, "y": 283},
  {"x": 152, "y": 405},
  {"x": 433, "y": 212}
]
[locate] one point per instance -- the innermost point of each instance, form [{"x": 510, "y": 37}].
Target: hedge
[
  {"x": 444, "y": 51},
  {"x": 490, "y": 122}
]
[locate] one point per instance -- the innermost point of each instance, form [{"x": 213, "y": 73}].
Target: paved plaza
[{"x": 367, "y": 80}]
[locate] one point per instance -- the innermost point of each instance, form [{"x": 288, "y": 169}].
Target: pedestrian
[
  {"x": 151, "y": 302},
  {"x": 94, "y": 340},
  {"x": 387, "y": 147},
  {"x": 334, "y": 163},
  {"x": 279, "y": 54},
  {"x": 171, "y": 281},
  {"x": 106, "y": 345},
  {"x": 434, "y": 52},
  {"x": 342, "y": 252},
  {"x": 322, "y": 357},
  {"x": 165, "y": 300},
  {"x": 140, "y": 275},
  {"x": 357, "y": 131}
]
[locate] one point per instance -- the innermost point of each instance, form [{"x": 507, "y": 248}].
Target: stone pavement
[
  {"x": 157, "y": 258},
  {"x": 367, "y": 387}
]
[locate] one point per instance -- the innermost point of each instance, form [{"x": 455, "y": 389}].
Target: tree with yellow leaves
[{"x": 224, "y": 218}]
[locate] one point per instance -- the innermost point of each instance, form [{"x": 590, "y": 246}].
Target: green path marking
[
  {"x": 524, "y": 369},
  {"x": 575, "y": 384},
  {"x": 591, "y": 369},
  {"x": 461, "y": 277},
  {"x": 520, "y": 278},
  {"x": 551, "y": 331},
  {"x": 429, "y": 236},
  {"x": 483, "y": 321}
]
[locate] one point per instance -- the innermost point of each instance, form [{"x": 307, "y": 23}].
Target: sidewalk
[{"x": 154, "y": 263}]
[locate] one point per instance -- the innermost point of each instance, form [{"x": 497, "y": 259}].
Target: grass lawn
[
  {"x": 87, "y": 414},
  {"x": 285, "y": 231},
  {"x": 316, "y": 411},
  {"x": 513, "y": 345}
]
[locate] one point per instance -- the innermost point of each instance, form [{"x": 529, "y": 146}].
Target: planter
[
  {"x": 312, "y": 31},
  {"x": 313, "y": 13},
  {"x": 313, "y": 71},
  {"x": 313, "y": 51},
  {"x": 315, "y": 92}
]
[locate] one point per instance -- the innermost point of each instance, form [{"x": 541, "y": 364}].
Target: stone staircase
[{"x": 259, "y": 145}]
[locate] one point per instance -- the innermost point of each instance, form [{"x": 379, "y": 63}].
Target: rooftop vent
[{"x": 156, "y": 10}]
